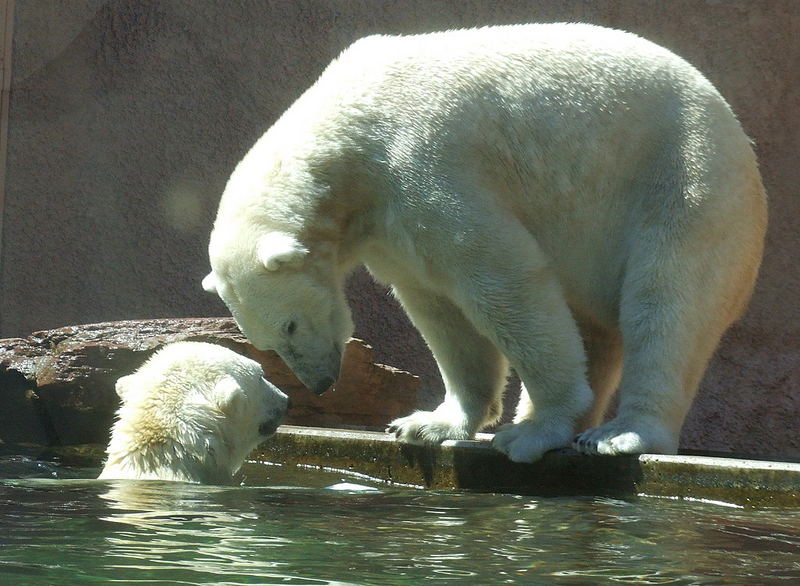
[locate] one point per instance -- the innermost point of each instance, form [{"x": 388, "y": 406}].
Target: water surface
[{"x": 57, "y": 527}]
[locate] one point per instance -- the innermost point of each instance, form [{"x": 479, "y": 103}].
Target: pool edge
[{"x": 474, "y": 465}]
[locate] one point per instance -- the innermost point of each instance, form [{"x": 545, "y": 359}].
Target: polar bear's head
[
  {"x": 284, "y": 297},
  {"x": 193, "y": 411}
]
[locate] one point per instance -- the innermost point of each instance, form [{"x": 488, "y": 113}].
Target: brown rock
[
  {"x": 367, "y": 395},
  {"x": 57, "y": 386}
]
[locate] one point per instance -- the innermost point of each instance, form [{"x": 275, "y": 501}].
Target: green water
[{"x": 60, "y": 529}]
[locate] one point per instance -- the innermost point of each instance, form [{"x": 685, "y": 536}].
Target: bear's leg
[
  {"x": 473, "y": 370},
  {"x": 671, "y": 321},
  {"x": 604, "y": 365},
  {"x": 507, "y": 290}
]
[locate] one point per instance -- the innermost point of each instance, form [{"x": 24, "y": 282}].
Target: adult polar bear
[{"x": 571, "y": 199}]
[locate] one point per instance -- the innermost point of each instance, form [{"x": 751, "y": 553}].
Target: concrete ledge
[
  {"x": 742, "y": 482},
  {"x": 474, "y": 465}
]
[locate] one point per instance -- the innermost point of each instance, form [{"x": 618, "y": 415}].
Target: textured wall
[{"x": 127, "y": 117}]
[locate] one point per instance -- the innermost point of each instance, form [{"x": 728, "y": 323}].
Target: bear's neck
[
  {"x": 308, "y": 179},
  {"x": 170, "y": 461}
]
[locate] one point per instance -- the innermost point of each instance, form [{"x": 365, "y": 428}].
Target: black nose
[
  {"x": 288, "y": 402},
  {"x": 267, "y": 428},
  {"x": 323, "y": 385}
]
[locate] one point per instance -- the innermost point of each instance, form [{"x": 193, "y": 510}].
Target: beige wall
[{"x": 127, "y": 117}]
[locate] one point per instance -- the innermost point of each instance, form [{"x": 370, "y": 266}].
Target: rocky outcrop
[{"x": 57, "y": 386}]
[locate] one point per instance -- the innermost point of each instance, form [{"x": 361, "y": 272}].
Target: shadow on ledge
[{"x": 475, "y": 465}]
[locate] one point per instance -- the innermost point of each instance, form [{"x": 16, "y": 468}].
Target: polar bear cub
[{"x": 192, "y": 413}]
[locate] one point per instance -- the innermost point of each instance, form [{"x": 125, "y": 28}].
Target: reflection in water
[
  {"x": 76, "y": 531},
  {"x": 186, "y": 528}
]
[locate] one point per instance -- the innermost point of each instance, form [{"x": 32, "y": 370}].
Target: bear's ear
[
  {"x": 213, "y": 284},
  {"x": 278, "y": 249},
  {"x": 210, "y": 282},
  {"x": 124, "y": 385},
  {"x": 228, "y": 395}
]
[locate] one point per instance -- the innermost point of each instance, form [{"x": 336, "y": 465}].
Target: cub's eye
[{"x": 290, "y": 327}]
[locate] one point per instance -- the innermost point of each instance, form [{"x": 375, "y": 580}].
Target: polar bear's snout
[
  {"x": 324, "y": 385},
  {"x": 269, "y": 426},
  {"x": 323, "y": 381},
  {"x": 317, "y": 374},
  {"x": 277, "y": 408}
]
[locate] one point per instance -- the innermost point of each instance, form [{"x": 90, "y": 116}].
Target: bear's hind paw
[
  {"x": 527, "y": 441},
  {"x": 616, "y": 438}
]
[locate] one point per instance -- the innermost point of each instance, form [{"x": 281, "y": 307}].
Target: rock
[
  {"x": 367, "y": 395},
  {"x": 57, "y": 386}
]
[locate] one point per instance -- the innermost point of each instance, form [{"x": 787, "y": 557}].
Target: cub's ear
[
  {"x": 278, "y": 249},
  {"x": 124, "y": 385},
  {"x": 228, "y": 395},
  {"x": 210, "y": 282}
]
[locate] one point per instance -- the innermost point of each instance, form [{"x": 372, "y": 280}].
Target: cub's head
[
  {"x": 193, "y": 411},
  {"x": 284, "y": 297}
]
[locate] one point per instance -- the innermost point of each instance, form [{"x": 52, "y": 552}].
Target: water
[{"x": 57, "y": 527}]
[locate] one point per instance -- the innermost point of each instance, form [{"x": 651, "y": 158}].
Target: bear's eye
[{"x": 290, "y": 327}]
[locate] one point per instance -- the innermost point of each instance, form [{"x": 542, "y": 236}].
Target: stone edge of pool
[{"x": 474, "y": 465}]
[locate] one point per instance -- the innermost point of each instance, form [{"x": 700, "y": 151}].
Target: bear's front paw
[
  {"x": 429, "y": 427},
  {"x": 620, "y": 436},
  {"x": 527, "y": 441}
]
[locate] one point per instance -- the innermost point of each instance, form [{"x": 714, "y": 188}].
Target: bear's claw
[
  {"x": 428, "y": 427},
  {"x": 527, "y": 441},
  {"x": 618, "y": 437}
]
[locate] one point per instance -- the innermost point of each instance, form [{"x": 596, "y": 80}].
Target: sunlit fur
[
  {"x": 192, "y": 412},
  {"x": 300, "y": 289},
  {"x": 571, "y": 200}
]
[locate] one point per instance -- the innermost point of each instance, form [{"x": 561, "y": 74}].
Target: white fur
[
  {"x": 569, "y": 199},
  {"x": 192, "y": 412},
  {"x": 277, "y": 249}
]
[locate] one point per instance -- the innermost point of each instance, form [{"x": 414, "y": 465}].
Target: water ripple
[{"x": 85, "y": 531}]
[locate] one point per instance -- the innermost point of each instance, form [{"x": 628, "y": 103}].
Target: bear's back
[
  {"x": 567, "y": 63},
  {"x": 518, "y": 89}
]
